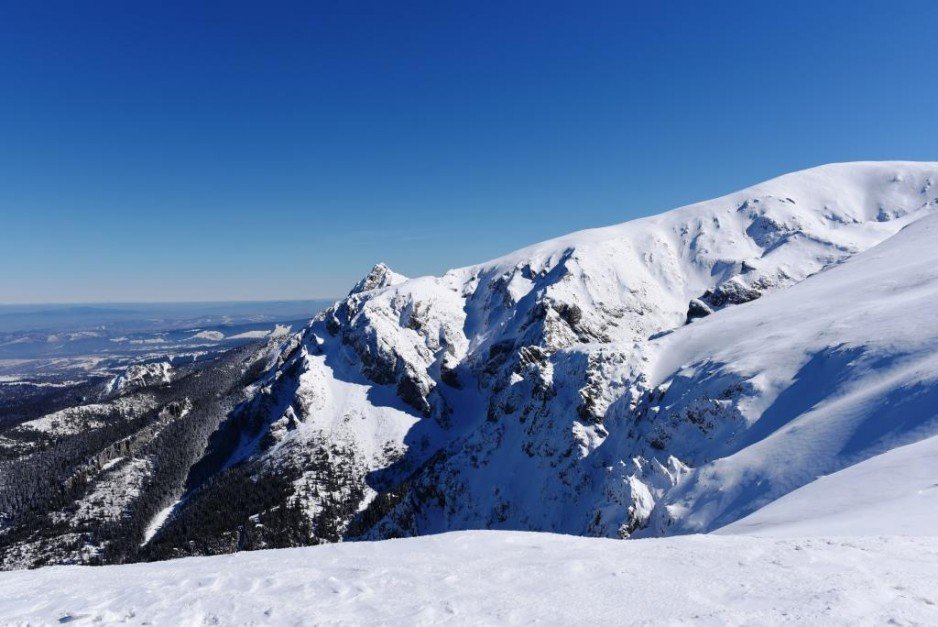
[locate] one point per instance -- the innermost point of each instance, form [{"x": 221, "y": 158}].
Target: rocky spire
[{"x": 379, "y": 276}]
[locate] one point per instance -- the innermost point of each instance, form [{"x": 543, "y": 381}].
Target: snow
[
  {"x": 473, "y": 578},
  {"x": 584, "y": 404},
  {"x": 279, "y": 330},
  {"x": 215, "y": 336},
  {"x": 158, "y": 520},
  {"x": 42, "y": 384},
  {"x": 140, "y": 375},
  {"x": 340, "y": 408},
  {"x": 83, "y": 417},
  {"x": 798, "y": 430},
  {"x": 839, "y": 368},
  {"x": 119, "y": 483},
  {"x": 250, "y": 335},
  {"x": 895, "y": 493}
]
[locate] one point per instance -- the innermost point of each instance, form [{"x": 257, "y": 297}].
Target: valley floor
[{"x": 481, "y": 577}]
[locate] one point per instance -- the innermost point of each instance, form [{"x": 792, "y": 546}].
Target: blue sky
[{"x": 245, "y": 150}]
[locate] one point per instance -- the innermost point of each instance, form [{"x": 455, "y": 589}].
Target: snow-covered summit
[
  {"x": 561, "y": 388},
  {"x": 379, "y": 276}
]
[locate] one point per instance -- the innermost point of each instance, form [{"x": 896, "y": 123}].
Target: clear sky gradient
[{"x": 254, "y": 150}]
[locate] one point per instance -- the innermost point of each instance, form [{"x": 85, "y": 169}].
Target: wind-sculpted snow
[{"x": 559, "y": 388}]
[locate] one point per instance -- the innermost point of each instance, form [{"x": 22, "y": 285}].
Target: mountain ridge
[
  {"x": 508, "y": 325},
  {"x": 668, "y": 375}
]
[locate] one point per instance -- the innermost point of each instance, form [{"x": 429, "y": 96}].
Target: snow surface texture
[
  {"x": 561, "y": 388},
  {"x": 494, "y": 578}
]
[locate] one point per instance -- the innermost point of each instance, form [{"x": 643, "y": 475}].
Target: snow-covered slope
[
  {"x": 895, "y": 493},
  {"x": 140, "y": 376},
  {"x": 821, "y": 376},
  {"x": 560, "y": 387},
  {"x": 497, "y": 578}
]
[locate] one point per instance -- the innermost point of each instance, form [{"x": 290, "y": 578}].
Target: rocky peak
[{"x": 380, "y": 276}]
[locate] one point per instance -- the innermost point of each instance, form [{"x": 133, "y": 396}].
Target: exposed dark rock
[
  {"x": 730, "y": 293},
  {"x": 450, "y": 377},
  {"x": 498, "y": 355},
  {"x": 409, "y": 391},
  {"x": 571, "y": 314},
  {"x": 697, "y": 309}
]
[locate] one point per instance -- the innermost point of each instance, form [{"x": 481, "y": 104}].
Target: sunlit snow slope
[
  {"x": 815, "y": 378},
  {"x": 895, "y": 493}
]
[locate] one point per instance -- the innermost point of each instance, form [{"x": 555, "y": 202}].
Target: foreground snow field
[{"x": 481, "y": 577}]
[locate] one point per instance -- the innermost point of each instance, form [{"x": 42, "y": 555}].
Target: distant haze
[{"x": 60, "y": 317}]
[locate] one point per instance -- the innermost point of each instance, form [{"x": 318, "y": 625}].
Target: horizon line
[{"x": 165, "y": 302}]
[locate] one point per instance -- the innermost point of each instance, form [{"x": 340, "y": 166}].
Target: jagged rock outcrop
[
  {"x": 379, "y": 276},
  {"x": 140, "y": 376}
]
